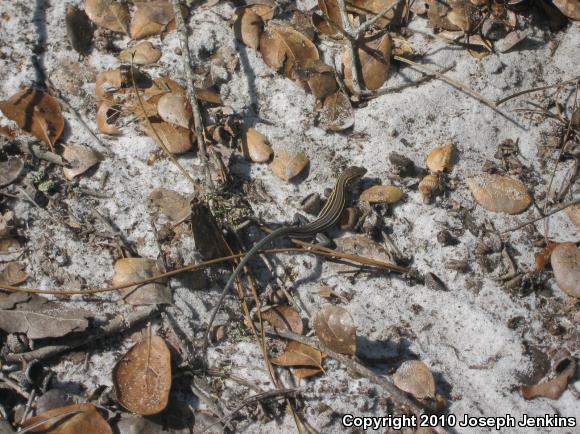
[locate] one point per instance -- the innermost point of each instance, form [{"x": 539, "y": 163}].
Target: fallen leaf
[
  {"x": 10, "y": 170},
  {"x": 298, "y": 354},
  {"x": 152, "y": 18},
  {"x": 566, "y": 265},
  {"x": 129, "y": 270},
  {"x": 35, "y": 112},
  {"x": 307, "y": 372},
  {"x": 437, "y": 15},
  {"x": 208, "y": 95},
  {"x": 176, "y": 139},
  {"x": 248, "y": 27},
  {"x": 209, "y": 240},
  {"x": 335, "y": 328},
  {"x": 81, "y": 158},
  {"x": 511, "y": 40},
  {"x": 10, "y": 249},
  {"x": 170, "y": 203},
  {"x": 381, "y": 194},
  {"x": 287, "y": 165},
  {"x": 440, "y": 159},
  {"x": 175, "y": 109},
  {"x": 330, "y": 9},
  {"x": 143, "y": 53},
  {"x": 570, "y": 8},
  {"x": 543, "y": 257},
  {"x": 284, "y": 318},
  {"x": 499, "y": 193},
  {"x": 142, "y": 378},
  {"x": 109, "y": 14},
  {"x": 13, "y": 273},
  {"x": 107, "y": 116},
  {"x": 6, "y": 224},
  {"x": 336, "y": 113},
  {"x": 256, "y": 146},
  {"x": 370, "y": 8},
  {"x": 40, "y": 318},
  {"x": 414, "y": 377},
  {"x": 318, "y": 75},
  {"x": 430, "y": 186},
  {"x": 564, "y": 371},
  {"x": 108, "y": 82},
  {"x": 72, "y": 419},
  {"x": 375, "y": 61},
  {"x": 79, "y": 29},
  {"x": 573, "y": 213}
]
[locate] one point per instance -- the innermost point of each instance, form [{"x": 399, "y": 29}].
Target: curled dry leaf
[
  {"x": 248, "y": 27},
  {"x": 564, "y": 370},
  {"x": 79, "y": 29},
  {"x": 13, "y": 273},
  {"x": 176, "y": 139},
  {"x": 440, "y": 159},
  {"x": 172, "y": 204},
  {"x": 107, "y": 115},
  {"x": 152, "y": 18},
  {"x": 330, "y": 9},
  {"x": 10, "y": 170},
  {"x": 429, "y": 187},
  {"x": 303, "y": 356},
  {"x": 143, "y": 53},
  {"x": 142, "y": 378},
  {"x": 72, "y": 419},
  {"x": 129, "y": 270},
  {"x": 375, "y": 61},
  {"x": 108, "y": 82},
  {"x": 336, "y": 113},
  {"x": 414, "y": 377},
  {"x": 370, "y": 8},
  {"x": 287, "y": 165},
  {"x": 256, "y": 146},
  {"x": 35, "y": 112},
  {"x": 318, "y": 75},
  {"x": 335, "y": 328},
  {"x": 573, "y": 213},
  {"x": 109, "y": 14},
  {"x": 566, "y": 265},
  {"x": 381, "y": 194},
  {"x": 80, "y": 158},
  {"x": 499, "y": 193},
  {"x": 284, "y": 318},
  {"x": 175, "y": 109},
  {"x": 570, "y": 8}
]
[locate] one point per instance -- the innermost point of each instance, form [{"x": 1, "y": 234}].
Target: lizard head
[{"x": 354, "y": 173}]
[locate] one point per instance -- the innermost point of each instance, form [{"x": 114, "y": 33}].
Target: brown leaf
[
  {"x": 152, "y": 18},
  {"x": 40, "y": 318},
  {"x": 174, "y": 205},
  {"x": 35, "y": 112},
  {"x": 298, "y": 354},
  {"x": 256, "y": 147},
  {"x": 307, "y": 372},
  {"x": 107, "y": 115},
  {"x": 570, "y": 8},
  {"x": 318, "y": 75},
  {"x": 554, "y": 388},
  {"x": 142, "y": 378},
  {"x": 381, "y": 194},
  {"x": 375, "y": 62},
  {"x": 330, "y": 9},
  {"x": 72, "y": 419},
  {"x": 284, "y": 318},
  {"x": 143, "y": 53},
  {"x": 248, "y": 27},
  {"x": 10, "y": 170},
  {"x": 437, "y": 14},
  {"x": 566, "y": 265},
  {"x": 175, "y": 109},
  {"x": 370, "y": 8},
  {"x": 81, "y": 158},
  {"x": 109, "y": 14},
  {"x": 336, "y": 113},
  {"x": 288, "y": 166},
  {"x": 208, "y": 95},
  {"x": 414, "y": 377},
  {"x": 543, "y": 257},
  {"x": 498, "y": 193},
  {"x": 129, "y": 270},
  {"x": 335, "y": 328},
  {"x": 6, "y": 224},
  {"x": 440, "y": 159},
  {"x": 13, "y": 273},
  {"x": 176, "y": 139}
]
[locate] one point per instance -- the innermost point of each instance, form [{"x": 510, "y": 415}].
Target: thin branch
[
  {"x": 529, "y": 222},
  {"x": 197, "y": 120},
  {"x": 351, "y": 43},
  {"x": 535, "y": 89},
  {"x": 366, "y": 25}
]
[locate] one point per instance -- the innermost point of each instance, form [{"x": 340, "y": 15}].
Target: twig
[
  {"x": 535, "y": 89},
  {"x": 58, "y": 417},
  {"x": 197, "y": 120},
  {"x": 529, "y": 222},
  {"x": 119, "y": 324},
  {"x": 366, "y": 25},
  {"x": 351, "y": 43},
  {"x": 14, "y": 386},
  {"x": 207, "y": 400}
]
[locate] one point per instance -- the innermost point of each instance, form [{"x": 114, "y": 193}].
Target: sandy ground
[{"x": 452, "y": 332}]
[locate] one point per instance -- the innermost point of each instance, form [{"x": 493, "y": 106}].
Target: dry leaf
[
  {"x": 107, "y": 115},
  {"x": 10, "y": 249},
  {"x": 335, "y": 328},
  {"x": 152, "y": 18},
  {"x": 6, "y": 224},
  {"x": 81, "y": 158},
  {"x": 330, "y": 9},
  {"x": 370, "y": 8},
  {"x": 108, "y": 82},
  {"x": 288, "y": 166},
  {"x": 298, "y": 354},
  {"x": 207, "y": 235},
  {"x": 414, "y": 377},
  {"x": 318, "y": 75},
  {"x": 174, "y": 205},
  {"x": 248, "y": 27},
  {"x": 10, "y": 170},
  {"x": 129, "y": 270},
  {"x": 336, "y": 113},
  {"x": 381, "y": 194},
  {"x": 566, "y": 265},
  {"x": 143, "y": 53},
  {"x": 142, "y": 378},
  {"x": 35, "y": 112},
  {"x": 570, "y": 8},
  {"x": 375, "y": 61},
  {"x": 440, "y": 159},
  {"x": 79, "y": 29},
  {"x": 544, "y": 256},
  {"x": 284, "y": 318},
  {"x": 498, "y": 193},
  {"x": 109, "y": 14},
  {"x": 74, "y": 419},
  {"x": 175, "y": 109},
  {"x": 40, "y": 318},
  {"x": 573, "y": 213},
  {"x": 13, "y": 273},
  {"x": 256, "y": 146},
  {"x": 437, "y": 14},
  {"x": 554, "y": 388},
  {"x": 511, "y": 40},
  {"x": 429, "y": 187},
  {"x": 176, "y": 139}
]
